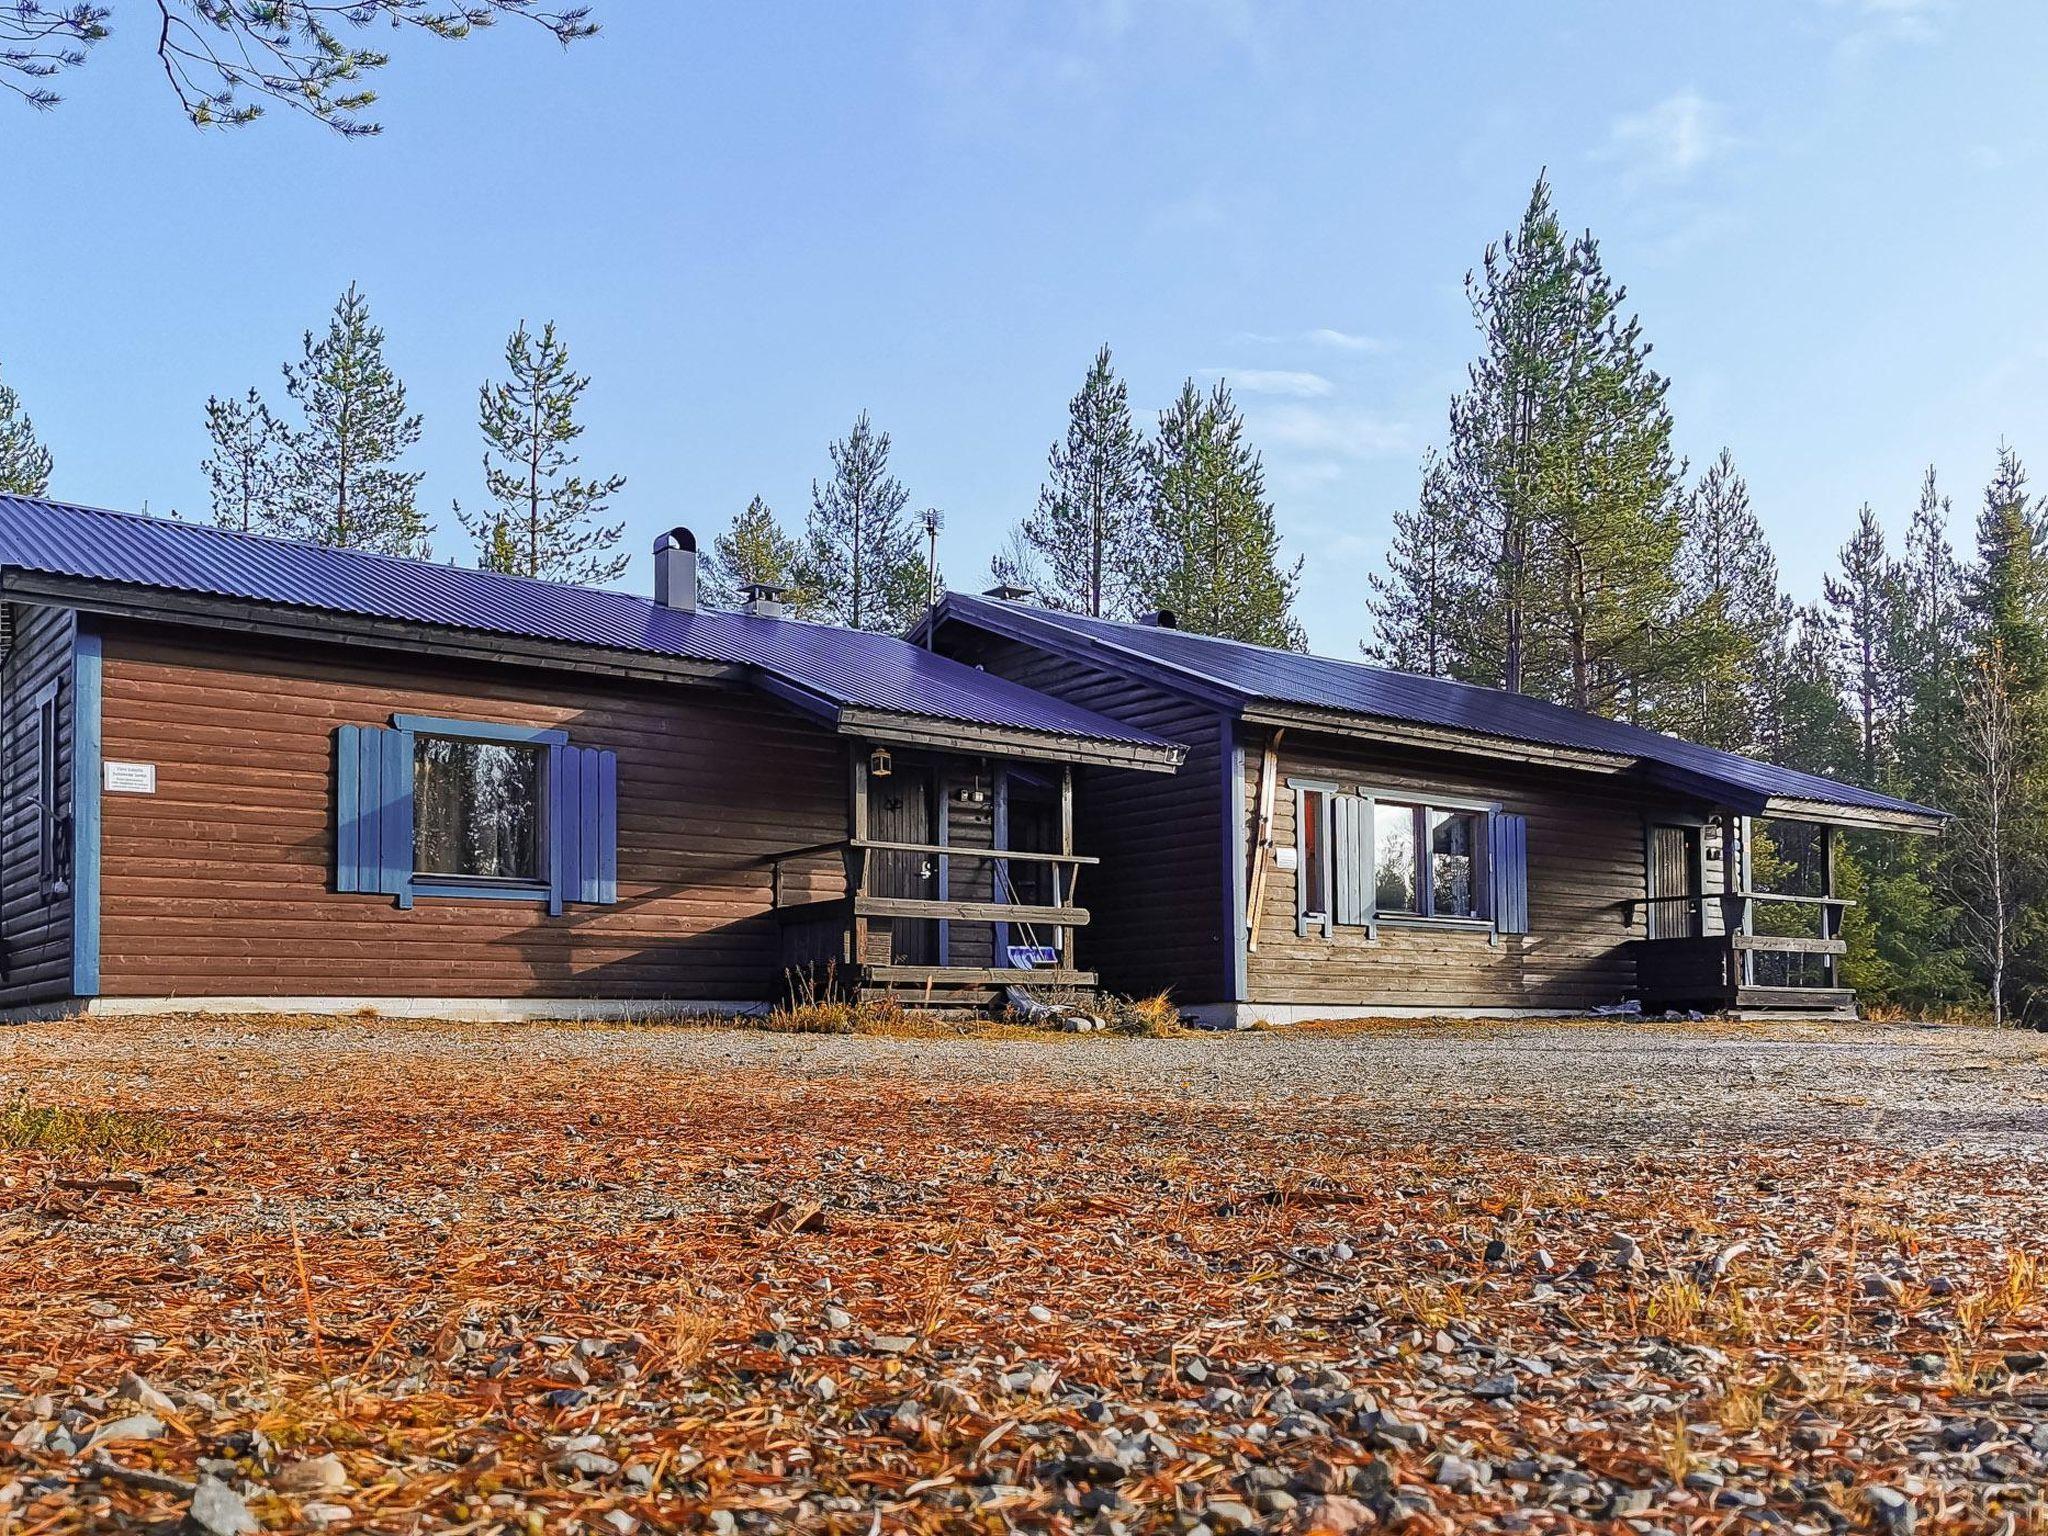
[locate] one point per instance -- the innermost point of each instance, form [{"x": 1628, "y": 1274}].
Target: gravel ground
[
  {"x": 1542, "y": 1082},
  {"x": 1540, "y": 1279}
]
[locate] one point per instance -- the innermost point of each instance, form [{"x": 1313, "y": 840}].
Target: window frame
[
  {"x": 1419, "y": 803},
  {"x": 46, "y": 719},
  {"x": 472, "y": 887},
  {"x": 1305, "y": 917}
]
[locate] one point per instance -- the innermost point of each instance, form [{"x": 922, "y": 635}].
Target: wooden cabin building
[
  {"x": 240, "y": 773},
  {"x": 1347, "y": 840}
]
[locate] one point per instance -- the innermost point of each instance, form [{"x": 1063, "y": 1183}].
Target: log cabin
[
  {"x": 242, "y": 774},
  {"x": 1344, "y": 840}
]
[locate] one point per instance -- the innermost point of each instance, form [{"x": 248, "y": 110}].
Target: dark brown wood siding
[
  {"x": 1586, "y": 865},
  {"x": 1159, "y": 902},
  {"x": 221, "y": 882},
  {"x": 35, "y": 922}
]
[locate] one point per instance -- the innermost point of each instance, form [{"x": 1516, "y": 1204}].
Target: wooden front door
[
  {"x": 900, "y": 811},
  {"x": 1675, "y": 871}
]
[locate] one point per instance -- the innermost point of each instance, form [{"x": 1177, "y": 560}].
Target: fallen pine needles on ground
[{"x": 533, "y": 1281}]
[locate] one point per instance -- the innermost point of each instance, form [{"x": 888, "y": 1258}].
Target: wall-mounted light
[{"x": 880, "y": 764}]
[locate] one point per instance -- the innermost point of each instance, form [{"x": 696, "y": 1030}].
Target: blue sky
[{"x": 751, "y": 222}]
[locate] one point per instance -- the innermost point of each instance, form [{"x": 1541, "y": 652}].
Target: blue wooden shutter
[
  {"x": 373, "y": 810},
  {"x": 1509, "y": 858},
  {"x": 583, "y": 826},
  {"x": 1351, "y": 847}
]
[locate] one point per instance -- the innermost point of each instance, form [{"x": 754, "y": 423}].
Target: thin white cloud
[
  {"x": 1345, "y": 341},
  {"x": 1320, "y": 430},
  {"x": 1670, "y": 140},
  {"x": 1276, "y": 381}
]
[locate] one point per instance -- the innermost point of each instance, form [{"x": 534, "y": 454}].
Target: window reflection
[
  {"x": 1453, "y": 845},
  {"x": 1396, "y": 883},
  {"x": 476, "y": 809}
]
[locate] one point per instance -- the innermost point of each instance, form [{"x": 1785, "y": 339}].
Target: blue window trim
[
  {"x": 86, "y": 750},
  {"x": 479, "y": 730},
  {"x": 421, "y": 887}
]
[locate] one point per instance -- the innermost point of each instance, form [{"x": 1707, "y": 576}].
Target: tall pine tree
[
  {"x": 1560, "y": 453},
  {"x": 1930, "y": 650},
  {"x": 754, "y": 551},
  {"x": 1862, "y": 605},
  {"x": 1421, "y": 604},
  {"x": 24, "y": 461},
  {"x": 1086, "y": 526},
  {"x": 1728, "y": 576},
  {"x": 544, "y": 520},
  {"x": 1212, "y": 549},
  {"x": 860, "y": 561},
  {"x": 346, "y": 487},
  {"x": 248, "y": 473}
]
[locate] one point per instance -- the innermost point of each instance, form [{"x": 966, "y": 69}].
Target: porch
[
  {"x": 957, "y": 878},
  {"x": 1742, "y": 949}
]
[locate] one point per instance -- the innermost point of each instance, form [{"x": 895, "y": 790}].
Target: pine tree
[
  {"x": 543, "y": 516},
  {"x": 1609, "y": 549},
  {"x": 1808, "y": 725},
  {"x": 754, "y": 551},
  {"x": 860, "y": 559},
  {"x": 1212, "y": 548},
  {"x": 345, "y": 486},
  {"x": 1728, "y": 579},
  {"x": 24, "y": 462},
  {"x": 1863, "y": 605},
  {"x": 2007, "y": 592},
  {"x": 1502, "y": 455},
  {"x": 1560, "y": 450},
  {"x": 249, "y": 471},
  {"x": 1929, "y": 646},
  {"x": 1421, "y": 605},
  {"x": 1086, "y": 527}
]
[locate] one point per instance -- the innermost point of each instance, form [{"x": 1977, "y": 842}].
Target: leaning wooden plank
[
  {"x": 1262, "y": 847},
  {"x": 1790, "y": 944}
]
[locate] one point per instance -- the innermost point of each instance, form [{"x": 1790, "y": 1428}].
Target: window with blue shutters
[
  {"x": 1409, "y": 859},
  {"x": 471, "y": 810}
]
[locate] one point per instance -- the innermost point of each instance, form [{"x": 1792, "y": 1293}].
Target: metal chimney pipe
[{"x": 675, "y": 570}]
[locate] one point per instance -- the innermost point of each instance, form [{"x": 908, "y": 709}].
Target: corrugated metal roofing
[
  {"x": 1259, "y": 673},
  {"x": 845, "y": 668}
]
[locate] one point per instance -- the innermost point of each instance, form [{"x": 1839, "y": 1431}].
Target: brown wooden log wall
[
  {"x": 221, "y": 882},
  {"x": 1586, "y": 863},
  {"x": 35, "y": 924}
]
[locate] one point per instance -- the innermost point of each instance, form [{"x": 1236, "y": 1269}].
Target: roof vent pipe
[
  {"x": 765, "y": 600},
  {"x": 1164, "y": 618},
  {"x": 675, "y": 570}
]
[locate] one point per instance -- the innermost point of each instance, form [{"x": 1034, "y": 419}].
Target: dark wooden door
[
  {"x": 1674, "y": 871},
  {"x": 900, "y": 811}
]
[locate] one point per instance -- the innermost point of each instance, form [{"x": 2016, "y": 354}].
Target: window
[
  {"x": 468, "y": 810},
  {"x": 1313, "y": 841},
  {"x": 1397, "y": 882},
  {"x": 49, "y": 825},
  {"x": 1454, "y": 840},
  {"x": 476, "y": 810}
]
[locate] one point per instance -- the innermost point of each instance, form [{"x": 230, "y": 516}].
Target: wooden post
[
  {"x": 1830, "y": 916},
  {"x": 1000, "y": 888},
  {"x": 1066, "y": 934},
  {"x": 1262, "y": 845}
]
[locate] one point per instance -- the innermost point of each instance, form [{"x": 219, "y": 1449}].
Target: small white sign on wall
[
  {"x": 129, "y": 778},
  {"x": 1285, "y": 858}
]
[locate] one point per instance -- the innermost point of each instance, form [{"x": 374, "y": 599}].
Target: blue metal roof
[
  {"x": 1246, "y": 674},
  {"x": 846, "y": 669}
]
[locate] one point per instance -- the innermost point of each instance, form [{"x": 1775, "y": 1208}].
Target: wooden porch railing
[{"x": 1703, "y": 967}]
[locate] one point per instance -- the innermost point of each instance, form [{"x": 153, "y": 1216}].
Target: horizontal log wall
[
  {"x": 1159, "y": 899},
  {"x": 35, "y": 924},
  {"x": 1586, "y": 864},
  {"x": 221, "y": 883}
]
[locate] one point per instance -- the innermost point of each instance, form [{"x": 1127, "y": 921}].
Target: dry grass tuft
[{"x": 66, "y": 1128}]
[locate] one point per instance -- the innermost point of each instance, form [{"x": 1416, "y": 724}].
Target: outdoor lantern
[{"x": 879, "y": 763}]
